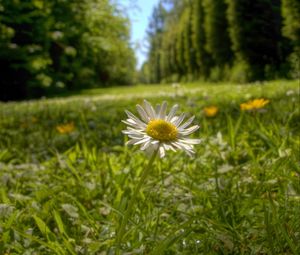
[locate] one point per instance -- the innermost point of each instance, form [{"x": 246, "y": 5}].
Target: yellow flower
[
  {"x": 65, "y": 128},
  {"x": 254, "y": 104},
  {"x": 211, "y": 111}
]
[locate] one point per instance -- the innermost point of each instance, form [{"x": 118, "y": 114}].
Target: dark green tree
[
  {"x": 291, "y": 30},
  {"x": 189, "y": 56},
  {"x": 239, "y": 40},
  {"x": 216, "y": 30},
  {"x": 180, "y": 52},
  {"x": 52, "y": 46},
  {"x": 254, "y": 27},
  {"x": 203, "y": 59}
]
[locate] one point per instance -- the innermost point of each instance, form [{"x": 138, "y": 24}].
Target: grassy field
[{"x": 66, "y": 176}]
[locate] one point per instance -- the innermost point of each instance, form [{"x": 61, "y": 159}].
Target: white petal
[
  {"x": 151, "y": 148},
  {"x": 135, "y": 129},
  {"x": 178, "y": 121},
  {"x": 157, "y": 110},
  {"x": 166, "y": 146},
  {"x": 187, "y": 149},
  {"x": 188, "y": 131},
  {"x": 186, "y": 146},
  {"x": 162, "y": 111},
  {"x": 174, "y": 119},
  {"x": 154, "y": 142},
  {"x": 172, "y": 148},
  {"x": 142, "y": 113},
  {"x": 162, "y": 152},
  {"x": 129, "y": 121},
  {"x": 131, "y": 141},
  {"x": 176, "y": 145},
  {"x": 136, "y": 137},
  {"x": 133, "y": 117},
  {"x": 190, "y": 141},
  {"x": 149, "y": 109},
  {"x": 187, "y": 123},
  {"x": 190, "y": 152},
  {"x": 132, "y": 123},
  {"x": 182, "y": 146},
  {"x": 146, "y": 139},
  {"x": 145, "y": 145},
  {"x": 172, "y": 112},
  {"x": 133, "y": 132},
  {"x": 169, "y": 147}
]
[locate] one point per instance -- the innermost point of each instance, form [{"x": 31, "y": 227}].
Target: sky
[{"x": 139, "y": 12}]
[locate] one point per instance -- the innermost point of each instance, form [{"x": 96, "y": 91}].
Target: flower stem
[{"x": 125, "y": 219}]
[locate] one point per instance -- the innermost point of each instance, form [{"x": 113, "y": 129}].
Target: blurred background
[{"x": 48, "y": 48}]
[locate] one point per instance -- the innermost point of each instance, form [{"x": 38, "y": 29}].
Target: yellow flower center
[{"x": 162, "y": 130}]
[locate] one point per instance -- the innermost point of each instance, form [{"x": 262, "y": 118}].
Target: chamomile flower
[{"x": 156, "y": 130}]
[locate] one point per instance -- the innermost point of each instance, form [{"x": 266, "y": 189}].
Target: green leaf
[
  {"x": 43, "y": 227},
  {"x": 59, "y": 222}
]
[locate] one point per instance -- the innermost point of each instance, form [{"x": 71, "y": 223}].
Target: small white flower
[{"x": 157, "y": 130}]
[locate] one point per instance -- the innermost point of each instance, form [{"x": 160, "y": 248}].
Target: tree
[
  {"x": 189, "y": 56},
  {"x": 291, "y": 30},
  {"x": 53, "y": 46},
  {"x": 218, "y": 43},
  {"x": 154, "y": 32},
  {"x": 255, "y": 34},
  {"x": 239, "y": 40},
  {"x": 203, "y": 60}
]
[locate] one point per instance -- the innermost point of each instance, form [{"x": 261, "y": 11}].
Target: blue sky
[{"x": 139, "y": 12}]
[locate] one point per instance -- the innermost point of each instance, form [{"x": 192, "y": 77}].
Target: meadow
[{"x": 66, "y": 176}]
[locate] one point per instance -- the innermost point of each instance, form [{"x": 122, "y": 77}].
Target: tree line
[
  {"x": 229, "y": 40},
  {"x": 53, "y": 46}
]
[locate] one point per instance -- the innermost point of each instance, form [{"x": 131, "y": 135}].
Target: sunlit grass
[{"x": 65, "y": 193}]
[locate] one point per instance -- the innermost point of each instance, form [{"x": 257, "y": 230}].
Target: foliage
[
  {"x": 291, "y": 29},
  {"x": 65, "y": 193},
  {"x": 232, "y": 40},
  {"x": 189, "y": 59},
  {"x": 52, "y": 46},
  {"x": 199, "y": 40},
  {"x": 255, "y": 43},
  {"x": 291, "y": 14},
  {"x": 154, "y": 32},
  {"x": 216, "y": 29}
]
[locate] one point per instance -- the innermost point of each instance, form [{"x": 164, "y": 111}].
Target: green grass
[{"x": 67, "y": 193}]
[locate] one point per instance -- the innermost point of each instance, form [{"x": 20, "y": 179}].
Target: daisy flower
[{"x": 156, "y": 130}]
